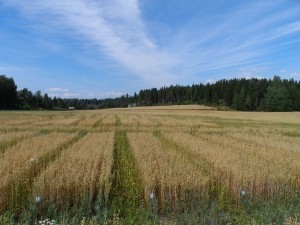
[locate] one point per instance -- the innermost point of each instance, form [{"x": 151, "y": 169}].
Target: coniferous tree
[
  {"x": 277, "y": 97},
  {"x": 8, "y": 92}
]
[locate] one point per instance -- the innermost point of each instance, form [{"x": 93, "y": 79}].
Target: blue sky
[{"x": 106, "y": 48}]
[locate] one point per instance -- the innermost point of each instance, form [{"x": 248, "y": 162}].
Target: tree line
[{"x": 240, "y": 94}]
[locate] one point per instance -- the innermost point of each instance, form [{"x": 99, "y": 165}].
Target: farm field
[{"x": 149, "y": 165}]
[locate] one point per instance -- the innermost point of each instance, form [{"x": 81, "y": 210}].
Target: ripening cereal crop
[
  {"x": 170, "y": 165},
  {"x": 239, "y": 166},
  {"x": 165, "y": 175},
  {"x": 20, "y": 163},
  {"x": 81, "y": 175},
  {"x": 6, "y": 137}
]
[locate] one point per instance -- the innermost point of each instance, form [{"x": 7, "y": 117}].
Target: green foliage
[
  {"x": 239, "y": 100},
  {"x": 277, "y": 97},
  {"x": 8, "y": 93},
  {"x": 240, "y": 94},
  {"x": 276, "y": 212},
  {"x": 125, "y": 196}
]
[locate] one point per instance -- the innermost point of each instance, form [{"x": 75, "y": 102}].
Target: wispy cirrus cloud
[
  {"x": 252, "y": 72},
  {"x": 56, "y": 89},
  {"x": 243, "y": 37},
  {"x": 10, "y": 69},
  {"x": 114, "y": 27}
]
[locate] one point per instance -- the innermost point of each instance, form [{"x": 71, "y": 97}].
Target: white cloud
[
  {"x": 245, "y": 36},
  {"x": 10, "y": 69},
  {"x": 71, "y": 95},
  {"x": 251, "y": 77},
  {"x": 283, "y": 71},
  {"x": 52, "y": 95},
  {"x": 115, "y": 27},
  {"x": 210, "y": 81},
  {"x": 252, "y": 72},
  {"x": 111, "y": 94},
  {"x": 56, "y": 89},
  {"x": 64, "y": 94},
  {"x": 295, "y": 75}
]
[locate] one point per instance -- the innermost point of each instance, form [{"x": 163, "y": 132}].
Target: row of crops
[{"x": 137, "y": 166}]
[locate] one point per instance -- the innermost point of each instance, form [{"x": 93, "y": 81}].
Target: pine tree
[{"x": 277, "y": 97}]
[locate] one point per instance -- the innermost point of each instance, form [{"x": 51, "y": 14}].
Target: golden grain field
[{"x": 181, "y": 156}]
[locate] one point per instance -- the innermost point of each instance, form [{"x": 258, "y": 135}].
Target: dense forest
[{"x": 241, "y": 94}]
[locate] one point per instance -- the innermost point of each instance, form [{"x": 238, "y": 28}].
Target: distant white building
[
  {"x": 71, "y": 108},
  {"x": 130, "y": 105}
]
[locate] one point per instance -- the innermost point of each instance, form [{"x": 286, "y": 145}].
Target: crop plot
[{"x": 159, "y": 165}]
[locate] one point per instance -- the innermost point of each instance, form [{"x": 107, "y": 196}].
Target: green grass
[{"x": 125, "y": 199}]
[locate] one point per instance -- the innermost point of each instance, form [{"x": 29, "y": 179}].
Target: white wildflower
[
  {"x": 151, "y": 195},
  {"x": 38, "y": 200},
  {"x": 32, "y": 160}
]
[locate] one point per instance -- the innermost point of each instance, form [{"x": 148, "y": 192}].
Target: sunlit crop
[{"x": 147, "y": 163}]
